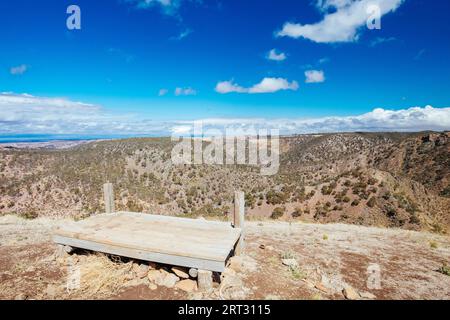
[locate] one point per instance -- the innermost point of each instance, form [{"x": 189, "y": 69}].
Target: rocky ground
[{"x": 282, "y": 261}]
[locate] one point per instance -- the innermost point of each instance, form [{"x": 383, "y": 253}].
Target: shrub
[
  {"x": 445, "y": 269},
  {"x": 414, "y": 219},
  {"x": 355, "y": 202},
  {"x": 391, "y": 212},
  {"x": 274, "y": 197},
  {"x": 297, "y": 213},
  {"x": 277, "y": 213},
  {"x": 371, "y": 202},
  {"x": 29, "y": 215}
]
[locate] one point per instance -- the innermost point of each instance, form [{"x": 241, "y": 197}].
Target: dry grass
[{"x": 101, "y": 276}]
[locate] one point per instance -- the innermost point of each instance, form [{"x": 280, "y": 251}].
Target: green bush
[
  {"x": 297, "y": 213},
  {"x": 277, "y": 213}
]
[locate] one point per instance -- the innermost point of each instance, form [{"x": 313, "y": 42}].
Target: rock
[
  {"x": 262, "y": 246},
  {"x": 155, "y": 276},
  {"x": 164, "y": 272},
  {"x": 136, "y": 282},
  {"x": 180, "y": 273},
  {"x": 350, "y": 293},
  {"x": 153, "y": 286},
  {"x": 169, "y": 280},
  {"x": 187, "y": 285},
  {"x": 227, "y": 272},
  {"x": 270, "y": 248},
  {"x": 236, "y": 263},
  {"x": 231, "y": 287},
  {"x": 142, "y": 271},
  {"x": 291, "y": 263},
  {"x": 367, "y": 295}
]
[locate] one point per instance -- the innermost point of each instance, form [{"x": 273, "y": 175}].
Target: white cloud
[
  {"x": 267, "y": 85},
  {"x": 379, "y": 40},
  {"x": 275, "y": 56},
  {"x": 229, "y": 86},
  {"x": 19, "y": 70},
  {"x": 162, "y": 92},
  {"x": 405, "y": 120},
  {"x": 22, "y": 113},
  {"x": 342, "y": 24},
  {"x": 169, "y": 7},
  {"x": 323, "y": 60},
  {"x": 314, "y": 76},
  {"x": 183, "y": 34},
  {"x": 185, "y": 92}
]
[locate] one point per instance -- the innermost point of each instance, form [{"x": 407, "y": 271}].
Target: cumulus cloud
[
  {"x": 379, "y": 120},
  {"x": 23, "y": 113},
  {"x": 145, "y": 4},
  {"x": 19, "y": 70},
  {"x": 267, "y": 85},
  {"x": 162, "y": 92},
  {"x": 314, "y": 76},
  {"x": 275, "y": 56},
  {"x": 342, "y": 23},
  {"x": 185, "y": 92}
]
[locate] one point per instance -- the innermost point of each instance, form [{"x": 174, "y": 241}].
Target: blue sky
[{"x": 130, "y": 56}]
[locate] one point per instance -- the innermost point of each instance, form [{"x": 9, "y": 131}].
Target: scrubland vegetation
[{"x": 385, "y": 179}]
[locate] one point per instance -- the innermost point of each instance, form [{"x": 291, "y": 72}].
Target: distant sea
[{"x": 7, "y": 138}]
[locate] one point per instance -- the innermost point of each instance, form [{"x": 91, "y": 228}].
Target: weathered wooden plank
[
  {"x": 239, "y": 211},
  {"x": 109, "y": 197},
  {"x": 188, "y": 238},
  {"x": 175, "y": 260},
  {"x": 167, "y": 244}
]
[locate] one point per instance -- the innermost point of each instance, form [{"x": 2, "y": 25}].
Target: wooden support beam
[
  {"x": 109, "y": 197},
  {"x": 204, "y": 280},
  {"x": 193, "y": 272},
  {"x": 238, "y": 219}
]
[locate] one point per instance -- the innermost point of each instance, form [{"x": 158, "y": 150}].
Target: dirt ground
[{"x": 375, "y": 263}]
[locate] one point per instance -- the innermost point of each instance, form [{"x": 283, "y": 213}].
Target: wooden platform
[{"x": 176, "y": 241}]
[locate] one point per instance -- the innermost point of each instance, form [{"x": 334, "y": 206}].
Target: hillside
[
  {"x": 372, "y": 179},
  {"x": 411, "y": 265}
]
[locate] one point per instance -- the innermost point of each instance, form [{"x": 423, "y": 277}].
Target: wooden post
[
  {"x": 193, "y": 272},
  {"x": 109, "y": 197},
  {"x": 204, "y": 280},
  {"x": 239, "y": 211}
]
